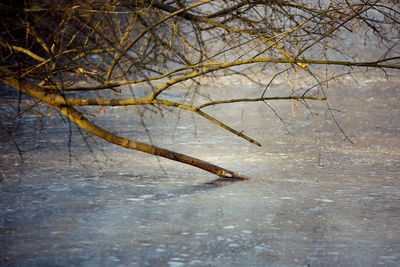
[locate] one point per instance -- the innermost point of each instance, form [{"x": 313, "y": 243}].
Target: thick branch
[
  {"x": 82, "y": 122},
  {"x": 77, "y": 117}
]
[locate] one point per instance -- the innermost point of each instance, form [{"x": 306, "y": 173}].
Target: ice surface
[{"x": 313, "y": 198}]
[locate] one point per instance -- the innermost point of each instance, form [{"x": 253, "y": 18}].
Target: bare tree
[{"x": 60, "y": 52}]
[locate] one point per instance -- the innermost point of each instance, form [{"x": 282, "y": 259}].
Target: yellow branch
[
  {"x": 226, "y": 127},
  {"x": 27, "y": 52},
  {"x": 51, "y": 99}
]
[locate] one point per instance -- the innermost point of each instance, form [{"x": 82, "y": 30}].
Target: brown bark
[{"x": 53, "y": 98}]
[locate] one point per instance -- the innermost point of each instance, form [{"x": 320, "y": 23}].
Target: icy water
[{"x": 314, "y": 199}]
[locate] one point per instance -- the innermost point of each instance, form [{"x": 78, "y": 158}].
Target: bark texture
[{"x": 54, "y": 98}]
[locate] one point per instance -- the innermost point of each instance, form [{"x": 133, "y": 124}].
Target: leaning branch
[{"x": 78, "y": 118}]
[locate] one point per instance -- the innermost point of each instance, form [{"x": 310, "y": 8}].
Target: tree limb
[{"x": 78, "y": 118}]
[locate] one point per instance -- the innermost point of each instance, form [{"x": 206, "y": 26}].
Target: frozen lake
[{"x": 314, "y": 199}]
